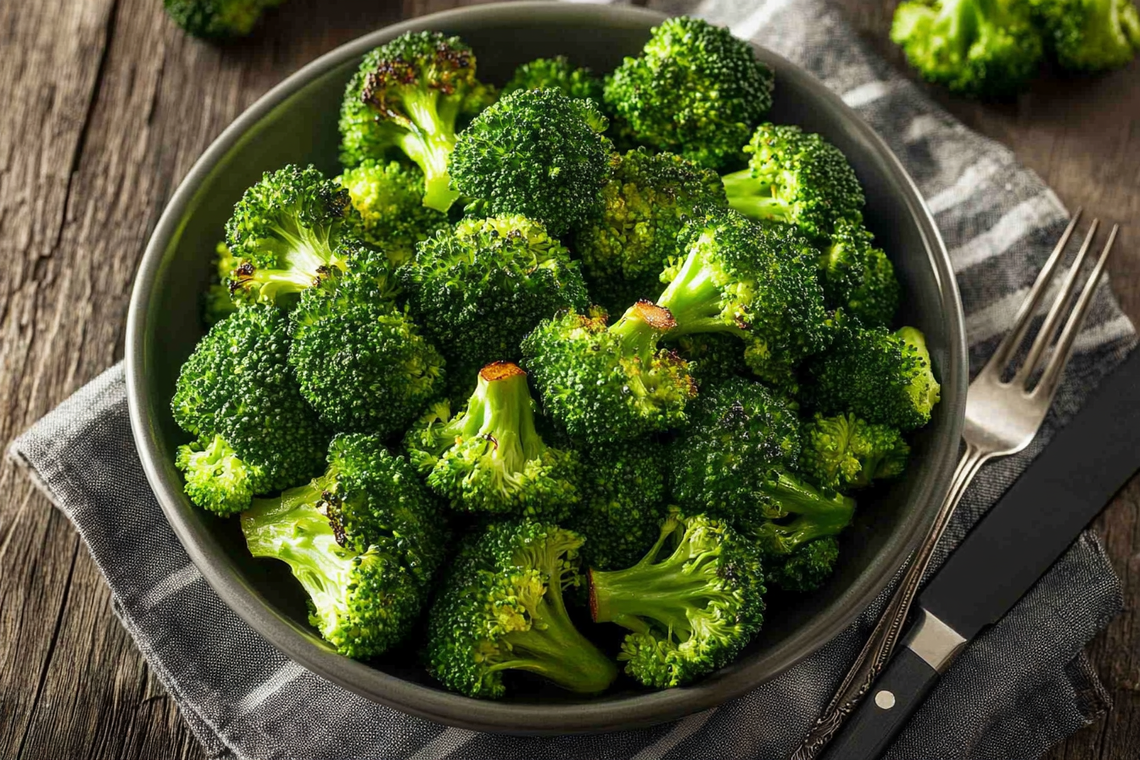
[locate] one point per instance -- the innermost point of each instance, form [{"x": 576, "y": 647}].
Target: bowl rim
[{"x": 436, "y": 704}]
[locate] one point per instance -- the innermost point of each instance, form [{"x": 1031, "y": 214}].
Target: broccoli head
[
  {"x": 623, "y": 502},
  {"x": 286, "y": 232},
  {"x": 363, "y": 539},
  {"x": 612, "y": 384},
  {"x": 388, "y": 197},
  {"x": 501, "y": 609},
  {"x": 480, "y": 287},
  {"x": 217, "y": 304},
  {"x": 845, "y": 452},
  {"x": 646, "y": 203},
  {"x": 691, "y": 603},
  {"x": 755, "y": 281},
  {"x": 254, "y": 432},
  {"x": 978, "y": 48},
  {"x": 408, "y": 95},
  {"x": 695, "y": 90},
  {"x": 217, "y": 19},
  {"x": 556, "y": 73},
  {"x": 883, "y": 377},
  {"x": 1090, "y": 35},
  {"x": 795, "y": 177},
  {"x": 858, "y": 277},
  {"x": 537, "y": 153},
  {"x": 489, "y": 458},
  {"x": 361, "y": 362},
  {"x": 712, "y": 357}
]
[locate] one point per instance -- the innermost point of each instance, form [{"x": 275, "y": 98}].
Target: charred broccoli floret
[
  {"x": 647, "y": 201},
  {"x": 978, "y": 48},
  {"x": 217, "y": 304},
  {"x": 858, "y": 277},
  {"x": 692, "y": 602},
  {"x": 489, "y": 458},
  {"x": 883, "y": 377},
  {"x": 501, "y": 609},
  {"x": 845, "y": 452},
  {"x": 537, "y": 153},
  {"x": 363, "y": 539},
  {"x": 609, "y": 384},
  {"x": 1090, "y": 35},
  {"x": 218, "y": 19},
  {"x": 695, "y": 90},
  {"x": 408, "y": 95},
  {"x": 253, "y": 431},
  {"x": 556, "y": 73}
]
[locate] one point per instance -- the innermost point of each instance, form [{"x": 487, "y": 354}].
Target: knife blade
[{"x": 1005, "y": 554}]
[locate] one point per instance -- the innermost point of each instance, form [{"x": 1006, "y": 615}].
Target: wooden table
[{"x": 105, "y": 107}]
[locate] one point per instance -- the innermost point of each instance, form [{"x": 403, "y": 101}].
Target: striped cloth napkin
[{"x": 1022, "y": 686}]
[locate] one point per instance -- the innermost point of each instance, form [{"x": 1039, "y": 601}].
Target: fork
[{"x": 1002, "y": 418}]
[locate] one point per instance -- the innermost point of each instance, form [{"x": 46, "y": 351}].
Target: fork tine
[
  {"x": 1051, "y": 377},
  {"x": 1013, "y": 338},
  {"x": 1060, "y": 307}
]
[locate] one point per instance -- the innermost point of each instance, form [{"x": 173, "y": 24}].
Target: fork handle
[{"x": 881, "y": 644}]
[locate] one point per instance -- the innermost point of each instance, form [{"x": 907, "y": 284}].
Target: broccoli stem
[
  {"x": 641, "y": 327},
  {"x": 831, "y": 511},
  {"x": 506, "y": 417},
  {"x": 751, "y": 197},
  {"x": 429, "y": 142},
  {"x": 693, "y": 298}
]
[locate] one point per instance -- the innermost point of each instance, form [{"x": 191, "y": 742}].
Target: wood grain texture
[{"x": 107, "y": 105}]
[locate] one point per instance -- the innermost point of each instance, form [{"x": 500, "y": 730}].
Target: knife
[{"x": 1009, "y": 549}]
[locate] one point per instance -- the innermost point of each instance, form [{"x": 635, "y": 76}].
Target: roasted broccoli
[
  {"x": 363, "y": 539},
  {"x": 845, "y": 452},
  {"x": 556, "y": 73},
  {"x": 409, "y": 95},
  {"x": 489, "y": 458},
  {"x": 537, "y": 153},
  {"x": 858, "y": 277},
  {"x": 755, "y": 281},
  {"x": 692, "y": 602},
  {"x": 883, "y": 377},
  {"x": 978, "y": 48},
  {"x": 286, "y": 232},
  {"x": 795, "y": 177},
  {"x": 623, "y": 502},
  {"x": 254, "y": 432},
  {"x": 360, "y": 361},
  {"x": 695, "y": 90},
  {"x": 609, "y": 384},
  {"x": 646, "y": 203},
  {"x": 712, "y": 357},
  {"x": 217, "y": 304},
  {"x": 217, "y": 19},
  {"x": 389, "y": 198},
  {"x": 480, "y": 287},
  {"x": 1090, "y": 35},
  {"x": 501, "y": 609}
]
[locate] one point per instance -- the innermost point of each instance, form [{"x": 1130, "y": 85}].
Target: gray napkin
[{"x": 1022, "y": 686}]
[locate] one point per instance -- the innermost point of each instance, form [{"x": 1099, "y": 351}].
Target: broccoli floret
[
  {"x": 286, "y": 232},
  {"x": 978, "y": 48},
  {"x": 389, "y": 198},
  {"x": 755, "y": 281},
  {"x": 795, "y": 177},
  {"x": 606, "y": 385},
  {"x": 794, "y": 561},
  {"x": 712, "y": 357},
  {"x": 217, "y": 19},
  {"x": 883, "y": 377},
  {"x": 537, "y": 153},
  {"x": 489, "y": 458},
  {"x": 646, "y": 203},
  {"x": 695, "y": 90},
  {"x": 858, "y": 277},
  {"x": 217, "y": 304},
  {"x": 408, "y": 95},
  {"x": 361, "y": 362},
  {"x": 692, "y": 602},
  {"x": 845, "y": 452},
  {"x": 501, "y": 609},
  {"x": 363, "y": 539},
  {"x": 479, "y": 288},
  {"x": 1090, "y": 35},
  {"x": 558, "y": 74},
  {"x": 623, "y": 502},
  {"x": 254, "y": 432}
]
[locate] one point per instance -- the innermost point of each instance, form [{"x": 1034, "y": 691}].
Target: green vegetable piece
[
  {"x": 1090, "y": 35},
  {"x": 857, "y": 277},
  {"x": 556, "y": 73},
  {"x": 218, "y": 19},
  {"x": 845, "y": 452}
]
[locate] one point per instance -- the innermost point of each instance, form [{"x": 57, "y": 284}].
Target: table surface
[{"x": 107, "y": 105}]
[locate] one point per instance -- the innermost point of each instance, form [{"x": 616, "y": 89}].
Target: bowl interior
[{"x": 297, "y": 123}]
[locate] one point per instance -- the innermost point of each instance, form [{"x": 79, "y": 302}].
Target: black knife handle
[{"x": 894, "y": 698}]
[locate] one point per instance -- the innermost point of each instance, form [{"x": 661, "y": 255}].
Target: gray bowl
[{"x": 296, "y": 122}]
